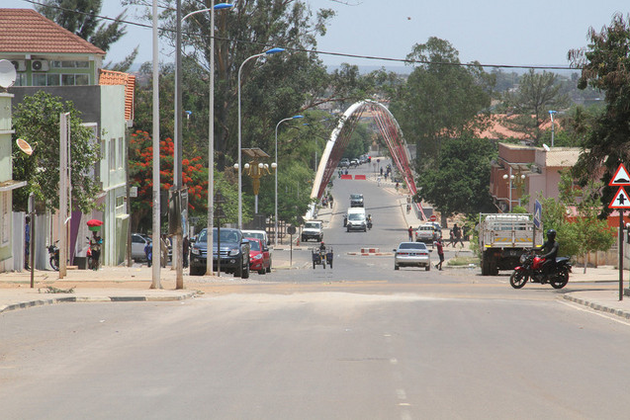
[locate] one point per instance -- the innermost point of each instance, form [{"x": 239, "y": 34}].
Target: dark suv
[
  {"x": 234, "y": 253},
  {"x": 356, "y": 200}
]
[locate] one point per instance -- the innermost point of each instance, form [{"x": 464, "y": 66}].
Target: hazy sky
[{"x": 533, "y": 32}]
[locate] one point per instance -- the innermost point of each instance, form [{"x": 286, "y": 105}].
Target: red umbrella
[{"x": 94, "y": 222}]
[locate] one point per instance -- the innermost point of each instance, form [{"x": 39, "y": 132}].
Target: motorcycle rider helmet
[{"x": 551, "y": 235}]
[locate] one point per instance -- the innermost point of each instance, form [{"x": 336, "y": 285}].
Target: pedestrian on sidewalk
[
  {"x": 186, "y": 245},
  {"x": 410, "y": 230},
  {"x": 440, "y": 252},
  {"x": 330, "y": 200},
  {"x": 457, "y": 232}
]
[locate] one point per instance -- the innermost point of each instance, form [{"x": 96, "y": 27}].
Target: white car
[{"x": 413, "y": 254}]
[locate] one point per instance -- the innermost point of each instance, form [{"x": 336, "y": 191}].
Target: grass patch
[
  {"x": 51, "y": 289},
  {"x": 462, "y": 261}
]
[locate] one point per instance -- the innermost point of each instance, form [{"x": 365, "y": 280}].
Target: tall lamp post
[
  {"x": 275, "y": 228},
  {"x": 240, "y": 175},
  {"x": 178, "y": 99},
  {"x": 551, "y": 112},
  {"x": 511, "y": 179}
]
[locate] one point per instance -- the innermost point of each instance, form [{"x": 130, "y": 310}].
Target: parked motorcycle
[
  {"x": 531, "y": 269},
  {"x": 53, "y": 251}
]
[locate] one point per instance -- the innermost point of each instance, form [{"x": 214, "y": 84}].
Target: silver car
[{"x": 413, "y": 254}]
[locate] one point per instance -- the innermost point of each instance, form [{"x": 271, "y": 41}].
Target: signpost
[{"x": 620, "y": 202}]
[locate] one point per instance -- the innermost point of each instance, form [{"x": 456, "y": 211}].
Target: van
[{"x": 356, "y": 219}]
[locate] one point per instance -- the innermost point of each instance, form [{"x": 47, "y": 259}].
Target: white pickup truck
[{"x": 313, "y": 229}]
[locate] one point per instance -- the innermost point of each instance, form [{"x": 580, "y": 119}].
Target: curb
[
  {"x": 94, "y": 299},
  {"x": 597, "y": 306}
]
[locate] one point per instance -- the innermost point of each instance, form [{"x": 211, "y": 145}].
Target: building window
[
  {"x": 56, "y": 64},
  {"x": 45, "y": 79},
  {"x": 121, "y": 150},
  {"x": 112, "y": 154},
  {"x": 74, "y": 79},
  {"x": 21, "y": 80}
]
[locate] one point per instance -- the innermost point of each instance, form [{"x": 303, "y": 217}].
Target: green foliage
[
  {"x": 581, "y": 232},
  {"x": 459, "y": 183},
  {"x": 36, "y": 120},
  {"x": 441, "y": 98},
  {"x": 605, "y": 65},
  {"x": 85, "y": 24},
  {"x": 537, "y": 93}
]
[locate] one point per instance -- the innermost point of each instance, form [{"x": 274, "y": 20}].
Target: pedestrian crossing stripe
[
  {"x": 621, "y": 200},
  {"x": 620, "y": 178}
]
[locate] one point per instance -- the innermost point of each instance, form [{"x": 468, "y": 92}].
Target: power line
[{"x": 329, "y": 53}]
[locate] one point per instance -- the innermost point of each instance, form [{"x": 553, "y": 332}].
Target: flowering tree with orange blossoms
[{"x": 194, "y": 176}]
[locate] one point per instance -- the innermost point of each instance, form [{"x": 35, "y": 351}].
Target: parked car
[
  {"x": 258, "y": 234},
  {"x": 354, "y": 162},
  {"x": 234, "y": 253},
  {"x": 426, "y": 233},
  {"x": 138, "y": 242},
  {"x": 259, "y": 258},
  {"x": 344, "y": 162},
  {"x": 413, "y": 254},
  {"x": 356, "y": 200}
]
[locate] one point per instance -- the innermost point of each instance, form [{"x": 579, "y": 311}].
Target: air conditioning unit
[
  {"x": 39, "y": 65},
  {"x": 20, "y": 65}
]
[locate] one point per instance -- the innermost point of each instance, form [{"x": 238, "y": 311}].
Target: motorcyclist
[
  {"x": 322, "y": 246},
  {"x": 550, "y": 249}
]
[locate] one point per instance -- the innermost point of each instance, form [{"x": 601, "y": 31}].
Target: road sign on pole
[
  {"x": 537, "y": 214},
  {"x": 621, "y": 200},
  {"x": 621, "y": 177}
]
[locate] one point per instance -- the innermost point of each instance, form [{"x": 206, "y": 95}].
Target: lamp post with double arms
[
  {"x": 275, "y": 229},
  {"x": 240, "y": 176}
]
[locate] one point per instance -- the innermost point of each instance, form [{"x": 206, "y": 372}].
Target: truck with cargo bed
[{"x": 503, "y": 237}]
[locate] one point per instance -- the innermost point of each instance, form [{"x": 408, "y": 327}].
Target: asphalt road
[{"x": 360, "y": 341}]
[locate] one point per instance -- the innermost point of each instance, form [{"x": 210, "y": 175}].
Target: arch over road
[{"x": 340, "y": 137}]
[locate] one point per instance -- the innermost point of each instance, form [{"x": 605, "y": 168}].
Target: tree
[
  {"x": 537, "y": 93},
  {"x": 81, "y": 17},
  {"x": 194, "y": 177},
  {"x": 441, "y": 98},
  {"x": 583, "y": 231},
  {"x": 459, "y": 183},
  {"x": 605, "y": 65},
  {"x": 36, "y": 120}
]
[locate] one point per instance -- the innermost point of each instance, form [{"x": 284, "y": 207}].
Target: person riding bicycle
[{"x": 550, "y": 249}]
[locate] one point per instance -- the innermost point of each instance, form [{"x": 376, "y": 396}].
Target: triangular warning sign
[
  {"x": 621, "y": 177},
  {"x": 621, "y": 200}
]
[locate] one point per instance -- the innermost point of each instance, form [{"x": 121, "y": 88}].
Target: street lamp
[
  {"x": 511, "y": 178},
  {"x": 551, "y": 112},
  {"x": 240, "y": 176},
  {"x": 178, "y": 111},
  {"x": 276, "y": 163}
]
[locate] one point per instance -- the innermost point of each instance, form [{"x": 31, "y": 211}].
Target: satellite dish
[
  {"x": 7, "y": 74},
  {"x": 24, "y": 146},
  {"x": 546, "y": 147}
]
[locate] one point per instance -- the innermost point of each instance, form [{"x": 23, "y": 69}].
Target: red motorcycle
[{"x": 531, "y": 269}]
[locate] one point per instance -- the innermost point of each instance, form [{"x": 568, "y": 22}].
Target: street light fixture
[
  {"x": 511, "y": 178},
  {"x": 178, "y": 112},
  {"x": 551, "y": 112},
  {"x": 240, "y": 176},
  {"x": 274, "y": 165}
]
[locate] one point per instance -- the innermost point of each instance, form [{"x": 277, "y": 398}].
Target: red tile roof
[
  {"x": 26, "y": 31},
  {"x": 110, "y": 77}
]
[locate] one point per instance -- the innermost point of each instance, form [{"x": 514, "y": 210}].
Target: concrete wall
[{"x": 6, "y": 174}]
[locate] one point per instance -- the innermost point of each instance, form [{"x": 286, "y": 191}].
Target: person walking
[
  {"x": 410, "y": 230},
  {"x": 440, "y": 252},
  {"x": 148, "y": 252},
  {"x": 457, "y": 233}
]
